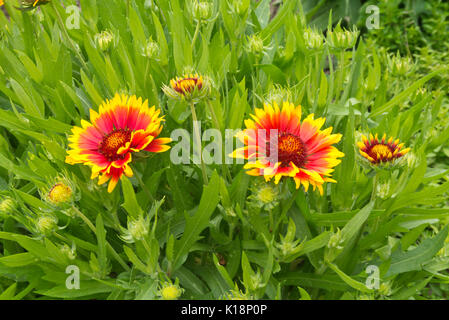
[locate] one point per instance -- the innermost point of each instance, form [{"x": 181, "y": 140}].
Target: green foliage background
[{"x": 216, "y": 241}]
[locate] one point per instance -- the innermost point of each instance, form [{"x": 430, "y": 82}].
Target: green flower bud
[
  {"x": 240, "y": 6},
  {"x": 383, "y": 190},
  {"x": 255, "y": 44},
  {"x": 385, "y": 289},
  {"x": 137, "y": 230},
  {"x": 202, "y": 10},
  {"x": 237, "y": 294},
  {"x": 46, "y": 224},
  {"x": 313, "y": 40},
  {"x": 70, "y": 253},
  {"x": 335, "y": 240},
  {"x": 399, "y": 66},
  {"x": 7, "y": 206},
  {"x": 341, "y": 39},
  {"x": 151, "y": 49},
  {"x": 105, "y": 40}
]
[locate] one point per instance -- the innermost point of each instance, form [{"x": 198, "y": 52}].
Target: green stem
[
  {"x": 225, "y": 170},
  {"x": 108, "y": 246},
  {"x": 145, "y": 74},
  {"x": 198, "y": 139},
  {"x": 195, "y": 35},
  {"x": 374, "y": 191},
  {"x": 341, "y": 76},
  {"x": 66, "y": 34}
]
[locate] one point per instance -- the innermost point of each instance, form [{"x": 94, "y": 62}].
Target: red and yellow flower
[
  {"x": 190, "y": 87},
  {"x": 123, "y": 125},
  {"x": 304, "y": 151},
  {"x": 383, "y": 151}
]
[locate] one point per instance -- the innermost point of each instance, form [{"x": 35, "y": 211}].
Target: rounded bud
[
  {"x": 138, "y": 229},
  {"x": 341, "y": 39},
  {"x": 313, "y": 39},
  {"x": 255, "y": 44},
  {"x": 7, "y": 205},
  {"x": 47, "y": 224},
  {"x": 105, "y": 40},
  {"x": 202, "y": 10},
  {"x": 399, "y": 66},
  {"x": 170, "y": 291},
  {"x": 151, "y": 49}
]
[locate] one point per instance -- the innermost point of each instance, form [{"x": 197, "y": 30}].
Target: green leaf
[
  {"x": 198, "y": 222},
  {"x": 351, "y": 282},
  {"x": 130, "y": 204},
  {"x": 413, "y": 260}
]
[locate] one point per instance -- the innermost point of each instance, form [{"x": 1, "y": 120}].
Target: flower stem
[
  {"x": 108, "y": 246},
  {"x": 195, "y": 35},
  {"x": 225, "y": 169},
  {"x": 69, "y": 40},
  {"x": 198, "y": 138}
]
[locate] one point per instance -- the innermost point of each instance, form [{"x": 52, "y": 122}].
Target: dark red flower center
[
  {"x": 112, "y": 142},
  {"x": 290, "y": 149}
]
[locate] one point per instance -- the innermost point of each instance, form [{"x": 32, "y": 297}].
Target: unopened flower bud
[
  {"x": 313, "y": 39},
  {"x": 151, "y": 49},
  {"x": 255, "y": 44},
  {"x": 47, "y": 224},
  {"x": 105, "y": 40},
  {"x": 7, "y": 206},
  {"x": 202, "y": 10},
  {"x": 339, "y": 38},
  {"x": 399, "y": 66}
]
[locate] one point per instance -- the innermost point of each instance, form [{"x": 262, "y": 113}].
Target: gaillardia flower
[
  {"x": 123, "y": 125},
  {"x": 278, "y": 144},
  {"x": 381, "y": 152},
  {"x": 191, "y": 88}
]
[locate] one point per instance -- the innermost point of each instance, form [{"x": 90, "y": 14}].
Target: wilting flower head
[
  {"x": 340, "y": 38},
  {"x": 123, "y": 126},
  {"x": 279, "y": 145},
  {"x": 32, "y": 4},
  {"x": 190, "y": 88},
  {"x": 381, "y": 152},
  {"x": 1, "y": 3}
]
